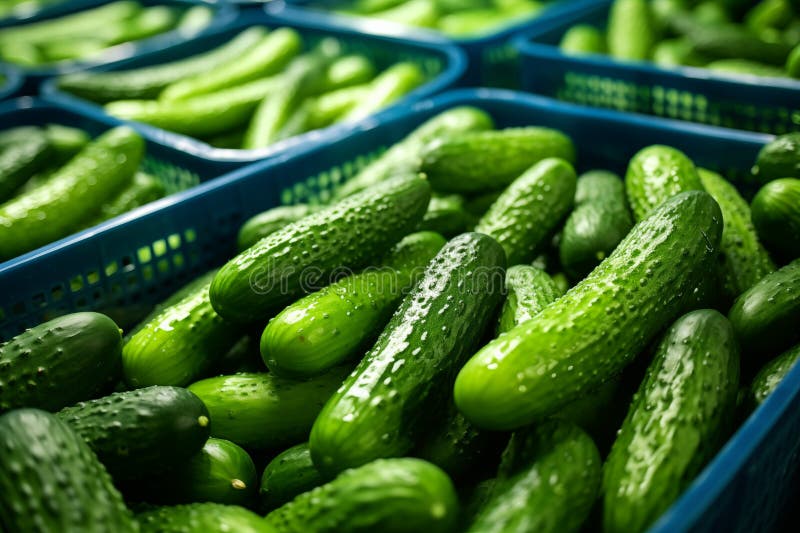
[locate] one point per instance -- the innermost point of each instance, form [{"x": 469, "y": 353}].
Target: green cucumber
[
  {"x": 677, "y": 52},
  {"x": 793, "y": 62},
  {"x": 289, "y": 474},
  {"x": 529, "y": 290},
  {"x": 678, "y": 419},
  {"x": 771, "y": 375},
  {"x": 66, "y": 141},
  {"x": 22, "y": 160},
  {"x": 530, "y": 208},
  {"x": 547, "y": 482},
  {"x": 591, "y": 333},
  {"x": 388, "y": 86},
  {"x": 346, "y": 235},
  {"x": 482, "y": 161},
  {"x": 381, "y": 408},
  {"x": 630, "y": 33},
  {"x": 389, "y": 495},
  {"x": 446, "y": 216},
  {"x": 195, "y": 19},
  {"x": 60, "y": 362},
  {"x": 422, "y": 13},
  {"x": 582, "y": 39},
  {"x": 776, "y": 216},
  {"x": 142, "y": 190},
  {"x": 336, "y": 323},
  {"x": 268, "y": 222},
  {"x": 730, "y": 41},
  {"x": 655, "y": 174},
  {"x": 779, "y": 158},
  {"x": 330, "y": 107},
  {"x": 264, "y": 411},
  {"x": 12, "y": 136},
  {"x": 202, "y": 518},
  {"x": 51, "y": 481},
  {"x": 769, "y": 14},
  {"x": 346, "y": 71},
  {"x": 150, "y": 21},
  {"x": 746, "y": 67}
]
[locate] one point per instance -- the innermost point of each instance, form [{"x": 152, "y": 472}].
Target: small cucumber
[
  {"x": 330, "y": 107},
  {"x": 529, "y": 290},
  {"x": 631, "y": 33},
  {"x": 381, "y": 408},
  {"x": 202, "y": 518},
  {"x": 771, "y": 375},
  {"x": 270, "y": 221},
  {"x": 388, "y": 86},
  {"x": 142, "y": 190},
  {"x": 583, "y": 39},
  {"x": 530, "y": 208},
  {"x": 264, "y": 411},
  {"x": 346, "y": 71},
  {"x": 289, "y": 474},
  {"x": 20, "y": 161},
  {"x": 483, "y": 161},
  {"x": 60, "y": 362},
  {"x": 389, "y": 495},
  {"x": 66, "y": 141},
  {"x": 446, "y": 216},
  {"x": 779, "y": 158},
  {"x": 678, "y": 419},
  {"x": 776, "y": 216}
]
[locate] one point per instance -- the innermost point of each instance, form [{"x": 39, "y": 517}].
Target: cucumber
[
  {"x": 382, "y": 407},
  {"x": 346, "y": 71},
  {"x": 180, "y": 344},
  {"x": 22, "y": 160},
  {"x": 529, "y": 290},
  {"x": 483, "y": 161},
  {"x": 591, "y": 333},
  {"x": 270, "y": 221},
  {"x": 446, "y": 215},
  {"x": 289, "y": 474},
  {"x": 337, "y": 323},
  {"x": 330, "y": 107},
  {"x": 16, "y": 135},
  {"x": 745, "y": 66},
  {"x": 142, "y": 190},
  {"x": 60, "y": 362},
  {"x": 630, "y": 33},
  {"x": 547, "y": 482},
  {"x": 195, "y": 19},
  {"x": 776, "y": 216},
  {"x": 150, "y": 21},
  {"x": 765, "y": 317},
  {"x": 582, "y": 39},
  {"x": 388, "y": 86},
  {"x": 730, "y": 41},
  {"x": 656, "y": 173},
  {"x": 769, "y": 14},
  {"x": 66, "y": 141},
  {"x": 51, "y": 481},
  {"x": 422, "y": 13},
  {"x": 678, "y": 419},
  {"x": 72, "y": 194},
  {"x": 389, "y": 495},
  {"x": 779, "y": 158},
  {"x": 793, "y": 62},
  {"x": 677, "y": 52},
  {"x": 140, "y": 432},
  {"x": 771, "y": 375},
  {"x": 265, "y": 58},
  {"x": 202, "y": 518},
  {"x": 264, "y": 411},
  {"x": 346, "y": 235},
  {"x": 530, "y": 208}
]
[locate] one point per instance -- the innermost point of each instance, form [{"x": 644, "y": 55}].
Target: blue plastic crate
[
  {"x": 132, "y": 263},
  {"x": 224, "y": 13},
  {"x": 11, "y": 83},
  {"x": 752, "y": 103},
  {"x": 493, "y": 60},
  {"x": 443, "y": 63}
]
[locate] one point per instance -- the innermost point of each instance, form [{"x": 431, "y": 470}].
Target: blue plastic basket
[
  {"x": 130, "y": 263},
  {"x": 224, "y": 13},
  {"x": 493, "y": 60},
  {"x": 752, "y": 103},
  {"x": 441, "y": 62},
  {"x": 12, "y": 81}
]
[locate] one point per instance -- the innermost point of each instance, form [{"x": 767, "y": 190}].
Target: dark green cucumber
[
  {"x": 446, "y": 216},
  {"x": 270, "y": 221},
  {"x": 601, "y": 220},
  {"x": 765, "y": 317},
  {"x": 51, "y": 481},
  {"x": 776, "y": 216},
  {"x": 655, "y": 174},
  {"x": 202, "y": 518},
  {"x": 722, "y": 41},
  {"x": 389, "y": 495},
  {"x": 530, "y": 208},
  {"x": 139, "y": 433},
  {"x": 60, "y": 362},
  {"x": 678, "y": 419},
  {"x": 771, "y": 375},
  {"x": 20, "y": 161},
  {"x": 381, "y": 408},
  {"x": 142, "y": 190},
  {"x": 582, "y": 39},
  {"x": 779, "y": 158},
  {"x": 630, "y": 32},
  {"x": 264, "y": 411},
  {"x": 72, "y": 195},
  {"x": 338, "y": 322},
  {"x": 484, "y": 161},
  {"x": 591, "y": 333},
  {"x": 346, "y": 235},
  {"x": 529, "y": 290},
  {"x": 547, "y": 482},
  {"x": 289, "y": 474}
]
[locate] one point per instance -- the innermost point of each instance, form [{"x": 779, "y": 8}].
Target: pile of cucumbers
[
  {"x": 56, "y": 180},
  {"x": 260, "y": 87},
  {"x": 90, "y": 33},
  {"x": 730, "y": 37},
  {"x": 24, "y": 8},
  {"x": 469, "y": 336}
]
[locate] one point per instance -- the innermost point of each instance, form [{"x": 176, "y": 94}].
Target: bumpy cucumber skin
[
  {"x": 530, "y": 208},
  {"x": 268, "y": 222},
  {"x": 591, "y": 333},
  {"x": 779, "y": 158},
  {"x": 446, "y": 215},
  {"x": 289, "y": 474},
  {"x": 765, "y": 317},
  {"x": 263, "y": 411},
  {"x": 383, "y": 405},
  {"x": 388, "y": 495},
  {"x": 530, "y": 290},
  {"x": 776, "y": 216},
  {"x": 771, "y": 375},
  {"x": 140, "y": 432},
  {"x": 677, "y": 419},
  {"x": 630, "y": 30},
  {"x": 51, "y": 481},
  {"x": 60, "y": 362},
  {"x": 484, "y": 161},
  {"x": 334, "y": 324},
  {"x": 20, "y": 161},
  {"x": 348, "y": 234},
  {"x": 547, "y": 482},
  {"x": 655, "y": 174},
  {"x": 744, "y": 259},
  {"x": 202, "y": 518}
]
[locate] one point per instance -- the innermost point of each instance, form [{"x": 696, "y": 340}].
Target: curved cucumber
[
  {"x": 259, "y": 226},
  {"x": 591, "y": 333},
  {"x": 771, "y": 375},
  {"x": 530, "y": 290},
  {"x": 630, "y": 30},
  {"x": 333, "y": 325},
  {"x": 446, "y": 215},
  {"x": 22, "y": 160},
  {"x": 202, "y": 518},
  {"x": 776, "y": 216},
  {"x": 289, "y": 474},
  {"x": 678, "y": 418}
]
